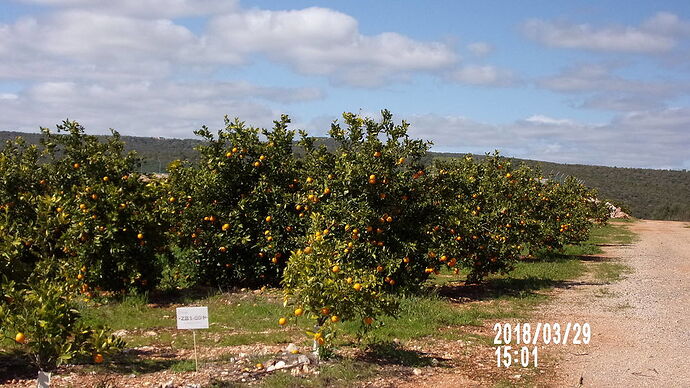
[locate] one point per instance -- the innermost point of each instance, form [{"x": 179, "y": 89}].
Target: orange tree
[
  {"x": 233, "y": 211},
  {"x": 482, "y": 225},
  {"x": 366, "y": 203},
  {"x": 20, "y": 183},
  {"x": 42, "y": 320},
  {"x": 563, "y": 212},
  {"x": 75, "y": 207},
  {"x": 102, "y": 217}
]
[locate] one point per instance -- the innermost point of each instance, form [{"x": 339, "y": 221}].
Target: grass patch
[
  {"x": 343, "y": 373},
  {"x": 615, "y": 232},
  {"x": 611, "y": 271}
]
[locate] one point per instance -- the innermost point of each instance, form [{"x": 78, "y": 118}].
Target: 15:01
[{"x": 508, "y": 356}]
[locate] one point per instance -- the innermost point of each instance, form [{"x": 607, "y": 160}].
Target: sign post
[{"x": 192, "y": 318}]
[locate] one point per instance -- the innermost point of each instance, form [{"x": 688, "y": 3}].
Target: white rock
[{"x": 417, "y": 371}]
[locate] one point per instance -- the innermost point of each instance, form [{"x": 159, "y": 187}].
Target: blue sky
[{"x": 604, "y": 82}]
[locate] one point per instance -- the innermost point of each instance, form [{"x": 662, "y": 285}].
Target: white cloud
[
  {"x": 160, "y": 108},
  {"x": 653, "y": 138},
  {"x": 483, "y": 75},
  {"x": 145, "y": 8},
  {"x": 657, "y": 34},
  {"x": 480, "y": 49},
  {"x": 542, "y": 119},
  {"x": 81, "y": 39},
  {"x": 606, "y": 91},
  {"x": 326, "y": 42}
]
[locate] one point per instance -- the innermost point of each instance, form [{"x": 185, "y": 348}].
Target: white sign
[{"x": 192, "y": 317}]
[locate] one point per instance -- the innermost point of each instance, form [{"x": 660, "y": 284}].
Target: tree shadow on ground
[
  {"x": 16, "y": 365},
  {"x": 391, "y": 353},
  {"x": 493, "y": 288},
  {"x": 136, "y": 361}
]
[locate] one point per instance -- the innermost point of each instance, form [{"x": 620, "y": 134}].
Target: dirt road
[{"x": 641, "y": 324}]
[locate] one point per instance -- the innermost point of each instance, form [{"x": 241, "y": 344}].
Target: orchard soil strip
[{"x": 640, "y": 324}]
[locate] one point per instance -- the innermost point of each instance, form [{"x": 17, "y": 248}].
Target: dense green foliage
[
  {"x": 646, "y": 193},
  {"x": 346, "y": 229}
]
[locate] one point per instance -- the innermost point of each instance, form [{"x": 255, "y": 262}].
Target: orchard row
[{"x": 343, "y": 228}]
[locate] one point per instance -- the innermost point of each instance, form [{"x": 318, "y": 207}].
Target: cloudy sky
[{"x": 605, "y": 82}]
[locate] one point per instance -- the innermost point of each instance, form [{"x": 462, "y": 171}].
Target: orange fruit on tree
[
  {"x": 76, "y": 165},
  {"x": 299, "y": 312},
  {"x": 269, "y": 218},
  {"x": 105, "y": 179},
  {"x": 377, "y": 154},
  {"x": 335, "y": 269},
  {"x": 140, "y": 236},
  {"x": 357, "y": 286},
  {"x": 325, "y": 311},
  {"x": 368, "y": 320},
  {"x": 335, "y": 319},
  {"x": 98, "y": 358},
  {"x": 20, "y": 338},
  {"x": 225, "y": 227},
  {"x": 282, "y": 321}
]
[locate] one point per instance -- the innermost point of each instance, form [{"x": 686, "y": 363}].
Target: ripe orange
[
  {"x": 379, "y": 268},
  {"x": 98, "y": 358},
  {"x": 262, "y": 157},
  {"x": 20, "y": 338},
  {"x": 228, "y": 154},
  {"x": 406, "y": 260},
  {"x": 357, "y": 286},
  {"x": 171, "y": 199},
  {"x": 105, "y": 179},
  {"x": 326, "y": 191},
  {"x": 325, "y": 311},
  {"x": 282, "y": 321},
  {"x": 140, "y": 236},
  {"x": 307, "y": 250},
  {"x": 257, "y": 164},
  {"x": 310, "y": 180},
  {"x": 335, "y": 269},
  {"x": 226, "y": 227},
  {"x": 335, "y": 319},
  {"x": 377, "y": 154},
  {"x": 368, "y": 320},
  {"x": 223, "y": 249},
  {"x": 299, "y": 312}
]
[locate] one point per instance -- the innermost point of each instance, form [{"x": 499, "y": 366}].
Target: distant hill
[{"x": 647, "y": 193}]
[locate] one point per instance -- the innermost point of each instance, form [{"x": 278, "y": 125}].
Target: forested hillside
[{"x": 646, "y": 193}]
